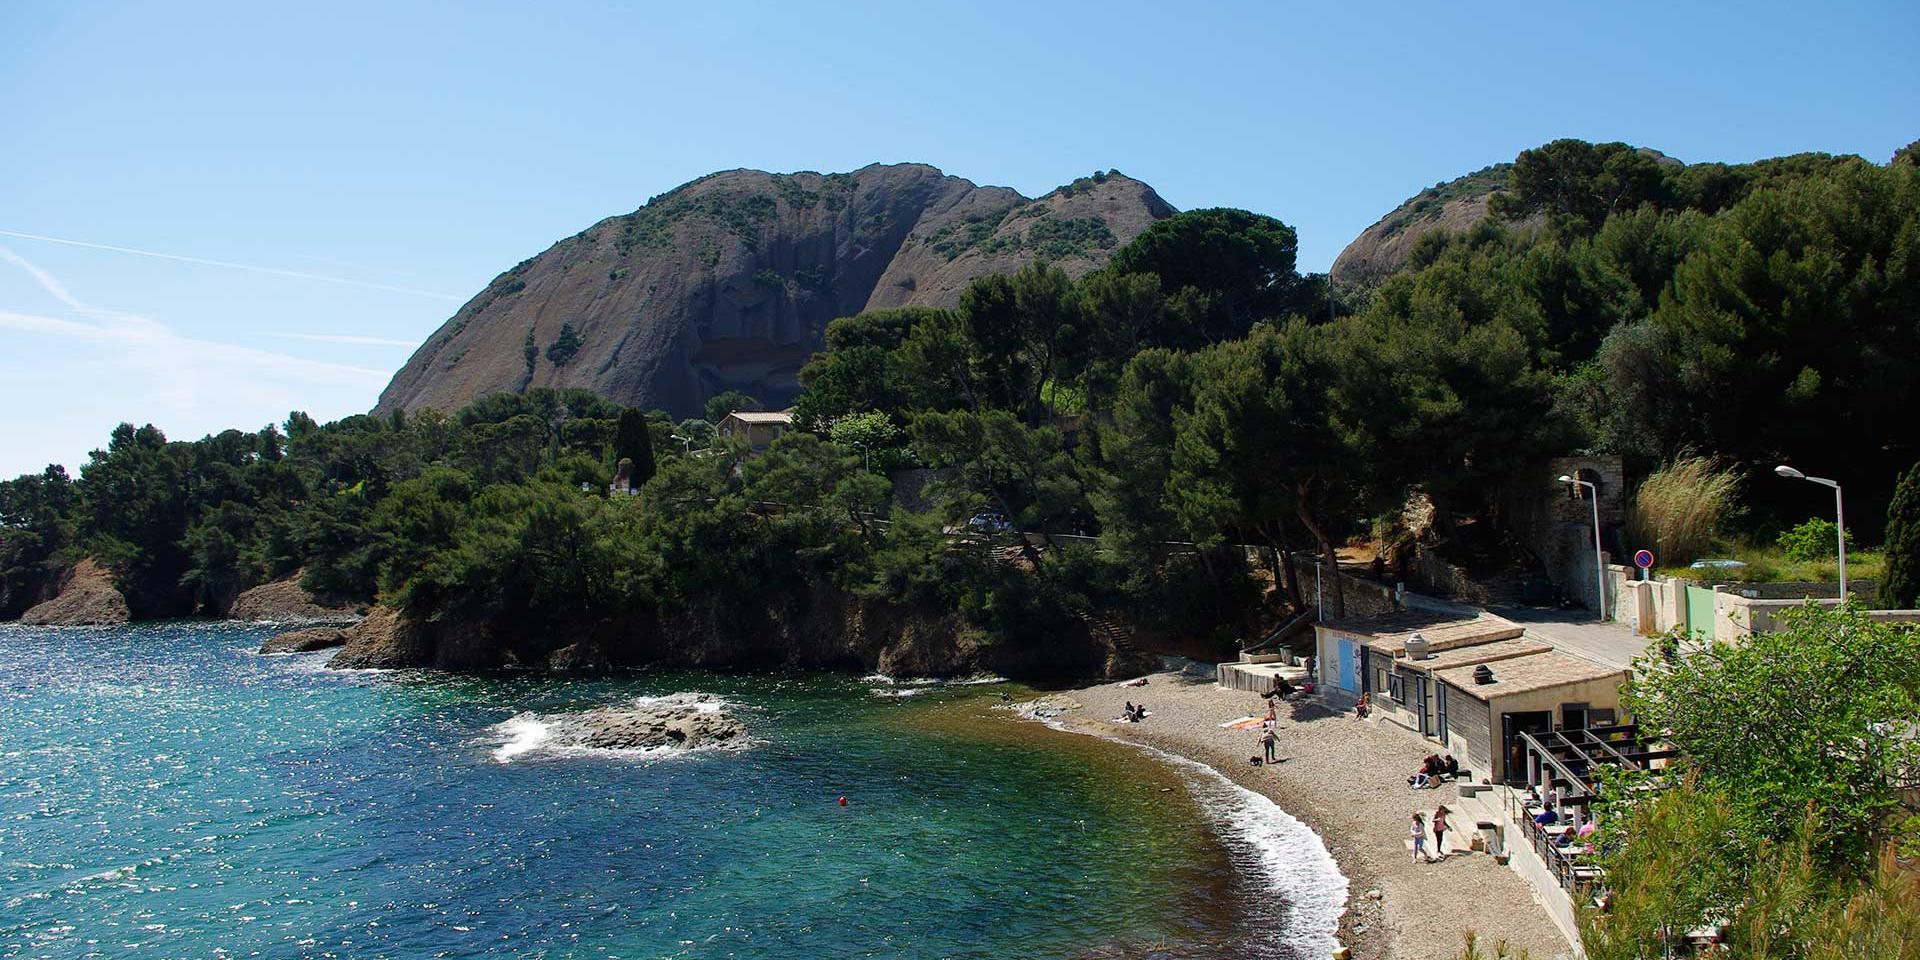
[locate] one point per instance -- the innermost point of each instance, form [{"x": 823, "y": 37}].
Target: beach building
[
  {"x": 1470, "y": 684},
  {"x": 760, "y": 430}
]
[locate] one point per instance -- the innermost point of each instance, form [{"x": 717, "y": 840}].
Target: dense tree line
[
  {"x": 1759, "y": 313},
  {"x": 1195, "y": 395}
]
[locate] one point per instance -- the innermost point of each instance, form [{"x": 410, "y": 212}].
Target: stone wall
[{"x": 1554, "y": 520}]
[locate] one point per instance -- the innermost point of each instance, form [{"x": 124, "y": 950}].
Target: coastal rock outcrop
[
  {"x": 687, "y": 721},
  {"x": 286, "y": 601},
  {"x": 87, "y": 597},
  {"x": 728, "y": 282},
  {"x": 305, "y": 640},
  {"x": 382, "y": 639}
]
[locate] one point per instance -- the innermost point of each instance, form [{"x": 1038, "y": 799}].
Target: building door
[
  {"x": 1513, "y": 750},
  {"x": 1440, "y": 711},
  {"x": 1699, "y": 613},
  {"x": 1348, "y": 681},
  {"x": 1422, "y": 705}
]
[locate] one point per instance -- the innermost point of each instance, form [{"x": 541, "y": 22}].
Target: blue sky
[{"x": 382, "y": 161}]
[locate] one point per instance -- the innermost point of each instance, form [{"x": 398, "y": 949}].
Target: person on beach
[
  {"x": 1440, "y": 831},
  {"x": 1363, "y": 706},
  {"x": 1450, "y": 767},
  {"x": 1419, "y": 832},
  {"x": 1267, "y": 741}
]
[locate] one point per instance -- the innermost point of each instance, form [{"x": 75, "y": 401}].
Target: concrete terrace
[{"x": 1577, "y": 632}]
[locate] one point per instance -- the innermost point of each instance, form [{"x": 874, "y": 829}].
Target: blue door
[{"x": 1349, "y": 672}]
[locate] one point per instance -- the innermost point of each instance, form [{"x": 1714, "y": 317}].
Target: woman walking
[{"x": 1440, "y": 831}]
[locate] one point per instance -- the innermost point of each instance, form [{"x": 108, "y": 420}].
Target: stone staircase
[{"x": 1118, "y": 637}]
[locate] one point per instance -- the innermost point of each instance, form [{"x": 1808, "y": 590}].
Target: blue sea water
[{"x": 166, "y": 792}]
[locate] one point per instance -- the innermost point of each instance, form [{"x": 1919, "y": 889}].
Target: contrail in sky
[{"x": 272, "y": 271}]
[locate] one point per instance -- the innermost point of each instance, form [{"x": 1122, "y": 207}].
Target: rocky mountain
[
  {"x": 729, "y": 281},
  {"x": 1454, "y": 206}
]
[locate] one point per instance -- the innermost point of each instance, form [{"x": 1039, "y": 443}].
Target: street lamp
[
  {"x": 1839, "y": 516},
  {"x": 1599, "y": 564}
]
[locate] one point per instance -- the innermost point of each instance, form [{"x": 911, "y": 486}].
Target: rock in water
[
  {"x": 87, "y": 597},
  {"x": 682, "y": 721},
  {"x": 305, "y": 641},
  {"x": 729, "y": 281}
]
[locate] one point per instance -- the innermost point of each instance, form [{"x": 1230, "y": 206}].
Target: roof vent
[
  {"x": 1483, "y": 674},
  {"x": 1417, "y": 647}
]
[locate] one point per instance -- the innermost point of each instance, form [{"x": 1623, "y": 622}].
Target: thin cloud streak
[
  {"x": 179, "y": 365},
  {"x": 346, "y": 338},
  {"x": 250, "y": 268}
]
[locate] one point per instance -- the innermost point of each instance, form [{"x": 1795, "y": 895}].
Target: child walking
[{"x": 1419, "y": 832}]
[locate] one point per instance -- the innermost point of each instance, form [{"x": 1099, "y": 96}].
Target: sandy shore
[{"x": 1346, "y": 779}]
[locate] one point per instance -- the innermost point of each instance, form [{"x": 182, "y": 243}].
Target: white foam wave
[
  {"x": 524, "y": 733},
  {"x": 1287, "y": 854}
]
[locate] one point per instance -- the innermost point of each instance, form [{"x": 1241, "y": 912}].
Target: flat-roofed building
[{"x": 1467, "y": 683}]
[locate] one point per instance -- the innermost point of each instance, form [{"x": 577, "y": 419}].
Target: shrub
[
  {"x": 1680, "y": 507},
  {"x": 565, "y": 346},
  {"x": 1815, "y": 539}
]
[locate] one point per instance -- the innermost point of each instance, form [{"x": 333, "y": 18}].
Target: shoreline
[{"x": 1342, "y": 779}]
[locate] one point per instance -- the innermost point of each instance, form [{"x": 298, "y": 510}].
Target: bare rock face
[
  {"x": 1454, "y": 206},
  {"x": 305, "y": 640},
  {"x": 729, "y": 281},
  {"x": 87, "y": 597},
  {"x": 382, "y": 639},
  {"x": 285, "y": 601}
]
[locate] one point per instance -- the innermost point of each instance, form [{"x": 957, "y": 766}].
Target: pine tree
[{"x": 1901, "y": 588}]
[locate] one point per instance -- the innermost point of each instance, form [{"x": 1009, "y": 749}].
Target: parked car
[
  {"x": 989, "y": 522},
  {"x": 1717, "y": 565}
]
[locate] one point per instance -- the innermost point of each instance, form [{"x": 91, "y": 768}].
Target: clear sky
[{"x": 339, "y": 176}]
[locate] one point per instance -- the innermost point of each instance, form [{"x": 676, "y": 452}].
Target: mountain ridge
[{"x": 727, "y": 282}]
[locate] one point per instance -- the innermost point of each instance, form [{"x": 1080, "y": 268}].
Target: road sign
[{"x": 1644, "y": 560}]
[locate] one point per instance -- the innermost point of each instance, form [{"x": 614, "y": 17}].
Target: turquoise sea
[{"x": 166, "y": 792}]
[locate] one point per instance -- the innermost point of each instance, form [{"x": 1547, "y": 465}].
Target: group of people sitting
[
  {"x": 1363, "y": 706},
  {"x": 1134, "y": 713},
  {"x": 1433, "y": 771}
]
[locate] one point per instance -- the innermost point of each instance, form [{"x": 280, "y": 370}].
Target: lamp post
[
  {"x": 1839, "y": 516},
  {"x": 1599, "y": 564}
]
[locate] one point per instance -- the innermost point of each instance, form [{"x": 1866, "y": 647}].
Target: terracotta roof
[
  {"x": 1539, "y": 671},
  {"x": 1388, "y": 634}
]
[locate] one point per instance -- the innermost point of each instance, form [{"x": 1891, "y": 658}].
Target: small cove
[{"x": 166, "y": 792}]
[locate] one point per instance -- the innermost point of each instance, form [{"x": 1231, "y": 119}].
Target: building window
[{"x": 1396, "y": 687}]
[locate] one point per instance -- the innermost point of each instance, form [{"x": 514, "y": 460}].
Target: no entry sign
[{"x": 1643, "y": 559}]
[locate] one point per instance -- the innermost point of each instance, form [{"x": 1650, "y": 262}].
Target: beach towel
[{"x": 1244, "y": 723}]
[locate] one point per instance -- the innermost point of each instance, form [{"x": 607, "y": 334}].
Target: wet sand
[{"x": 1346, "y": 779}]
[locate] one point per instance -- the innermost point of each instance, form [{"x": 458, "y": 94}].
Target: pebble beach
[{"x": 1345, "y": 778}]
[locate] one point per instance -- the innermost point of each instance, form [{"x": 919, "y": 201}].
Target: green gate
[{"x": 1699, "y": 613}]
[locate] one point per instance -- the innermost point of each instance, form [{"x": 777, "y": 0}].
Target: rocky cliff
[
  {"x": 87, "y": 597},
  {"x": 728, "y": 282},
  {"x": 812, "y": 626},
  {"x": 1453, "y": 206}
]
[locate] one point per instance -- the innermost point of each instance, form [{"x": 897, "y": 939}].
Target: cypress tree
[
  {"x": 633, "y": 441},
  {"x": 1901, "y": 588}
]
